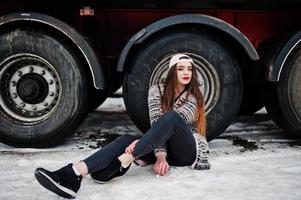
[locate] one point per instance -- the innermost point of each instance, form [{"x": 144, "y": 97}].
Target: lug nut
[
  {"x": 45, "y": 104},
  {"x": 20, "y": 73},
  {"x": 43, "y": 72},
  {"x": 14, "y": 83},
  {"x": 30, "y": 69},
  {"x": 50, "y": 82},
  {"x": 22, "y": 104},
  {"x": 14, "y": 95},
  {"x": 51, "y": 94},
  {"x": 34, "y": 107}
]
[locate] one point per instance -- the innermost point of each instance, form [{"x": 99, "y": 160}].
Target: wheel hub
[{"x": 30, "y": 87}]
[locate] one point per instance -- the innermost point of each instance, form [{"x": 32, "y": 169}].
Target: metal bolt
[
  {"x": 30, "y": 69},
  {"x": 51, "y": 94},
  {"x": 14, "y": 83},
  {"x": 34, "y": 107},
  {"x": 45, "y": 104},
  {"x": 22, "y": 104},
  {"x": 43, "y": 72},
  {"x": 20, "y": 73},
  {"x": 50, "y": 82},
  {"x": 14, "y": 95}
]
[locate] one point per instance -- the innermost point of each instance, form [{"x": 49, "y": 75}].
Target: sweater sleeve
[
  {"x": 202, "y": 150},
  {"x": 155, "y": 112},
  {"x": 188, "y": 109},
  {"x": 154, "y": 104}
]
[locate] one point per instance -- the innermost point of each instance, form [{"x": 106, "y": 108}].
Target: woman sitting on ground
[{"x": 177, "y": 136}]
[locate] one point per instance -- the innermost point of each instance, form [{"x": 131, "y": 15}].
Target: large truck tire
[
  {"x": 43, "y": 91},
  {"x": 283, "y": 99},
  {"x": 252, "y": 100},
  {"x": 218, "y": 73},
  {"x": 97, "y": 97}
]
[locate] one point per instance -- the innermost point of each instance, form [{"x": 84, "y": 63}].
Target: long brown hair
[{"x": 192, "y": 88}]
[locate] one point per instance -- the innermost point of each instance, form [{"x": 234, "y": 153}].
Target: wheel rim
[
  {"x": 30, "y": 88},
  {"x": 209, "y": 83}
]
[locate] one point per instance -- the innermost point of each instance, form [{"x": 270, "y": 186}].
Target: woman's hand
[
  {"x": 131, "y": 147},
  {"x": 161, "y": 166}
]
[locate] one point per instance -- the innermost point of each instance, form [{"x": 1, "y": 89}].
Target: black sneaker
[
  {"x": 112, "y": 171},
  {"x": 63, "y": 182}
]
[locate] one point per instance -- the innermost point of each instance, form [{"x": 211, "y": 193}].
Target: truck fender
[
  {"x": 71, "y": 34},
  {"x": 280, "y": 57},
  {"x": 198, "y": 19}
]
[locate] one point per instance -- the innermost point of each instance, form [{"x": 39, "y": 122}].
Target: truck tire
[
  {"x": 283, "y": 99},
  {"x": 97, "y": 97},
  {"x": 42, "y": 89},
  {"x": 218, "y": 73},
  {"x": 252, "y": 100}
]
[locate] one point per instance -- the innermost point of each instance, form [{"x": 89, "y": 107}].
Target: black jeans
[{"x": 170, "y": 128}]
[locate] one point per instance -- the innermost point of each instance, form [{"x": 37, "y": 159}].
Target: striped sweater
[{"x": 187, "y": 110}]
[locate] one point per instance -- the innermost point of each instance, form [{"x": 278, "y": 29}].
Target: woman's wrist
[{"x": 161, "y": 155}]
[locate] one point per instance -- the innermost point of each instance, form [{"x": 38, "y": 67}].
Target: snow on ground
[{"x": 252, "y": 159}]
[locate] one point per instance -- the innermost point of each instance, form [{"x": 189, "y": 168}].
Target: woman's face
[{"x": 184, "y": 72}]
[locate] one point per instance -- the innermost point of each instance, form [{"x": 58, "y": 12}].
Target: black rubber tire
[
  {"x": 97, "y": 97},
  {"x": 283, "y": 99},
  {"x": 72, "y": 107},
  {"x": 136, "y": 82},
  {"x": 252, "y": 100}
]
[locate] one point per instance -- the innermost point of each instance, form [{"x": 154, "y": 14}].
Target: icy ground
[{"x": 252, "y": 159}]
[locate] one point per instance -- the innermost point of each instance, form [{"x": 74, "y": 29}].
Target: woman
[{"x": 177, "y": 136}]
